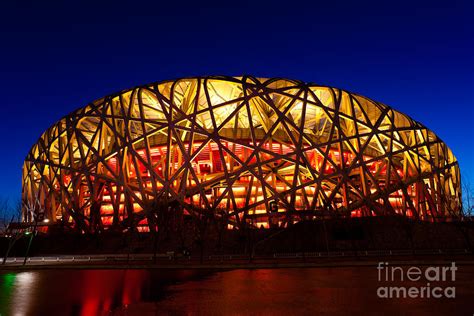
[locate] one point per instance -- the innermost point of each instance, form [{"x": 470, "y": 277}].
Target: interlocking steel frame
[{"x": 261, "y": 150}]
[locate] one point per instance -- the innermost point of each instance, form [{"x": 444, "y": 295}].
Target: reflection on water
[
  {"x": 25, "y": 287},
  {"x": 81, "y": 292},
  {"x": 260, "y": 291}
]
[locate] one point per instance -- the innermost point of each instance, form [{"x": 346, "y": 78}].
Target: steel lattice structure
[{"x": 239, "y": 144}]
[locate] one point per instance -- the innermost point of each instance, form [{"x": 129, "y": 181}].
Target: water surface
[{"x": 340, "y": 290}]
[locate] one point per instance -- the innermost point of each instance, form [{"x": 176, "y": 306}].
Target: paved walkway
[{"x": 278, "y": 260}]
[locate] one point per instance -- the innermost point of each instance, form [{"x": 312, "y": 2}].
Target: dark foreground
[
  {"x": 329, "y": 290},
  {"x": 328, "y": 235}
]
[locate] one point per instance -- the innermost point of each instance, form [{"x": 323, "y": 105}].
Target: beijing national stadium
[{"x": 256, "y": 152}]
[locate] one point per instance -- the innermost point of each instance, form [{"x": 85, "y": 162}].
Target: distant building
[{"x": 259, "y": 151}]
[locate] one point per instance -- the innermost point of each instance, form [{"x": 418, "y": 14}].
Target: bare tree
[
  {"x": 466, "y": 212},
  {"x": 467, "y": 198},
  {"x": 9, "y": 212},
  {"x": 4, "y": 211}
]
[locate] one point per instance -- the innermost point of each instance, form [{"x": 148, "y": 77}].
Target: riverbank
[{"x": 163, "y": 261}]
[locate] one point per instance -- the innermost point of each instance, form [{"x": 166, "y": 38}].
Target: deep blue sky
[{"x": 57, "y": 56}]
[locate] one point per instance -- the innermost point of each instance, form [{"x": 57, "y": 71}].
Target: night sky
[{"x": 57, "y": 56}]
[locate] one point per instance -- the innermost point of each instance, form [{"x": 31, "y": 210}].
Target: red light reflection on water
[
  {"x": 72, "y": 292},
  {"x": 98, "y": 291}
]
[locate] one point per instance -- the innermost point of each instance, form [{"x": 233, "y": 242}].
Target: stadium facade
[{"x": 255, "y": 151}]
